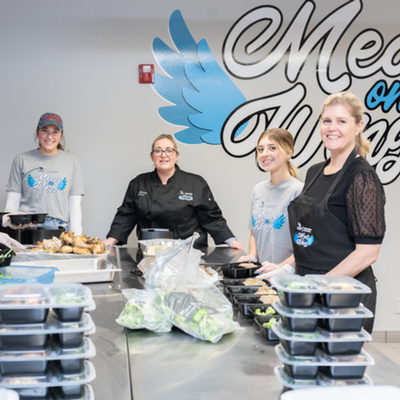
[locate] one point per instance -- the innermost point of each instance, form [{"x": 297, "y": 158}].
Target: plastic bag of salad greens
[
  {"x": 189, "y": 302},
  {"x": 141, "y": 312}
]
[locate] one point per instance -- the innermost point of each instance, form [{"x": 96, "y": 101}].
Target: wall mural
[{"x": 212, "y": 109}]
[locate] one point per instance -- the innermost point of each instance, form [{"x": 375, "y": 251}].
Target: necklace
[{"x": 48, "y": 166}]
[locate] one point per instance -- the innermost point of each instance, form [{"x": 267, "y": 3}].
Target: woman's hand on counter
[{"x": 10, "y": 242}]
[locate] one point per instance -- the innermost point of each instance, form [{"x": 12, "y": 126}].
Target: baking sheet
[{"x": 81, "y": 270}]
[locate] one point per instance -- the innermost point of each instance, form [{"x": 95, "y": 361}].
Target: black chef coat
[{"x": 185, "y": 205}]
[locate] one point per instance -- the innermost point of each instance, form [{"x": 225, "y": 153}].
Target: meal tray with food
[
  {"x": 333, "y": 320},
  {"x": 264, "y": 327},
  {"x": 30, "y": 303},
  {"x": 306, "y": 343},
  {"x": 36, "y": 336},
  {"x": 68, "y": 360},
  {"x": 320, "y": 381},
  {"x": 239, "y": 270},
  {"x": 331, "y": 291},
  {"x": 79, "y": 270},
  {"x": 245, "y": 303},
  {"x": 335, "y": 367}
]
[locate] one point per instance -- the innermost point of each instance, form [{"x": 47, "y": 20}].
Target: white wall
[{"x": 80, "y": 59}]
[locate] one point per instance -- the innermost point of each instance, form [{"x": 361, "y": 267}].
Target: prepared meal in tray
[
  {"x": 333, "y": 320},
  {"x": 253, "y": 282},
  {"x": 331, "y": 291},
  {"x": 321, "y": 380},
  {"x": 30, "y": 303},
  {"x": 335, "y": 367},
  {"x": 68, "y": 243},
  {"x": 306, "y": 343}
]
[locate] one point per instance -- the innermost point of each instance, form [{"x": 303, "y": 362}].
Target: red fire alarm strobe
[{"x": 146, "y": 73}]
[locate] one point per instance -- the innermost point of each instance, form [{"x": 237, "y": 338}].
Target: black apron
[{"x": 321, "y": 240}]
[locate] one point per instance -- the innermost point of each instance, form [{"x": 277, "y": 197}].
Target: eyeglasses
[{"x": 167, "y": 152}]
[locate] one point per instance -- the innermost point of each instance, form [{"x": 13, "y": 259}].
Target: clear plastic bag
[
  {"x": 141, "y": 312},
  {"x": 189, "y": 300}
]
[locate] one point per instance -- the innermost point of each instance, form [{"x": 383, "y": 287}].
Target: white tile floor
[{"x": 390, "y": 350}]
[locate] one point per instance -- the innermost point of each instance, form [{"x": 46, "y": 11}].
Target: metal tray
[{"x": 81, "y": 270}]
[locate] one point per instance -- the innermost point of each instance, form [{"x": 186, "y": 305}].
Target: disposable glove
[
  {"x": 10, "y": 242},
  {"x": 282, "y": 270},
  {"x": 247, "y": 258},
  {"x": 7, "y": 221}
]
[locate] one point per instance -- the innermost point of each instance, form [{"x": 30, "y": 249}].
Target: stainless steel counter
[{"x": 143, "y": 365}]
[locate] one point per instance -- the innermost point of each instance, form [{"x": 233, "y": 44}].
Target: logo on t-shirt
[
  {"x": 45, "y": 182},
  {"x": 266, "y": 221},
  {"x": 185, "y": 196}
]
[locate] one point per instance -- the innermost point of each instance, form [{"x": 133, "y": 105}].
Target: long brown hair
[
  {"x": 284, "y": 141},
  {"x": 354, "y": 106}
]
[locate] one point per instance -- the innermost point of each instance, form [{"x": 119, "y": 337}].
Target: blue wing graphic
[
  {"x": 279, "y": 222},
  {"x": 295, "y": 237},
  {"x": 62, "y": 184},
  {"x": 253, "y": 221},
  {"x": 310, "y": 240},
  {"x": 31, "y": 181},
  {"x": 202, "y": 94}
]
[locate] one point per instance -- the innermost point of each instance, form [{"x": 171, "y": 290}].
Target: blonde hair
[
  {"x": 354, "y": 106},
  {"x": 165, "y": 136},
  {"x": 284, "y": 141}
]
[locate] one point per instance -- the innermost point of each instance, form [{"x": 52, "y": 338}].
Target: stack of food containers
[
  {"x": 44, "y": 348},
  {"x": 320, "y": 331}
]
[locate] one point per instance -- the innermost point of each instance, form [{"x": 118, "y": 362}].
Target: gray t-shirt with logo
[
  {"x": 269, "y": 219},
  {"x": 46, "y": 182}
]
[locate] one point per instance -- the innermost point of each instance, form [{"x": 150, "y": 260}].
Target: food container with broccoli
[
  {"x": 264, "y": 327},
  {"x": 330, "y": 291},
  {"x": 334, "y": 367},
  {"x": 30, "y": 303},
  {"x": 263, "y": 313},
  {"x": 333, "y": 320},
  {"x": 68, "y": 361},
  {"x": 306, "y": 343}
]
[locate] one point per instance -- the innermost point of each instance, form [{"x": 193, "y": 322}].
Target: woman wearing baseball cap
[{"x": 47, "y": 179}]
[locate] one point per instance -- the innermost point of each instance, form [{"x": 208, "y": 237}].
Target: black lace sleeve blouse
[{"x": 358, "y": 201}]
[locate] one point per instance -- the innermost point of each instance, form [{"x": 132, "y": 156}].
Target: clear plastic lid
[
  {"x": 52, "y": 326},
  {"x": 52, "y": 378},
  {"x": 321, "y": 358},
  {"x": 53, "y": 352},
  {"x": 36, "y": 295},
  {"x": 319, "y": 284},
  {"x": 321, "y": 312},
  {"x": 321, "y": 380},
  {"x": 320, "y": 335}
]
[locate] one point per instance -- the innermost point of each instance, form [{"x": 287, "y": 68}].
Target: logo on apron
[{"x": 303, "y": 237}]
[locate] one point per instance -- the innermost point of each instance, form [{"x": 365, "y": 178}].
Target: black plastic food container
[
  {"x": 155, "y": 233},
  {"x": 263, "y": 308},
  {"x": 341, "y": 324},
  {"x": 38, "y": 218},
  {"x": 69, "y": 340},
  {"x": 303, "y": 371},
  {"x": 23, "y": 367},
  {"x": 33, "y": 235},
  {"x": 299, "y": 348},
  {"x": 23, "y": 342},
  {"x": 297, "y": 299},
  {"x": 266, "y": 333},
  {"x": 24, "y": 316},
  {"x": 69, "y": 314},
  {"x": 72, "y": 391},
  {"x": 71, "y": 365},
  {"x": 299, "y": 324},
  {"x": 234, "y": 272},
  {"x": 339, "y": 300},
  {"x": 17, "y": 219},
  {"x": 344, "y": 371},
  {"x": 33, "y": 393},
  {"x": 341, "y": 348},
  {"x": 244, "y": 302}
]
